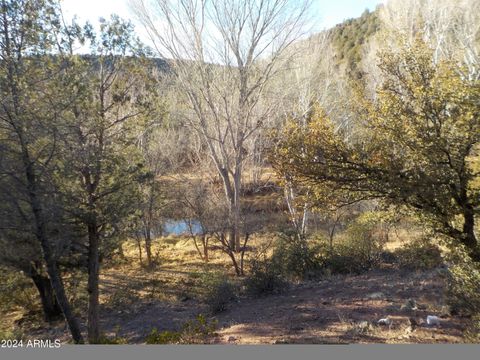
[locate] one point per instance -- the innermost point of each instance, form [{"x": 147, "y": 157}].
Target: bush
[
  {"x": 112, "y": 340},
  {"x": 463, "y": 285},
  {"x": 16, "y": 290},
  {"x": 343, "y": 261},
  {"x": 295, "y": 257},
  {"x": 76, "y": 289},
  {"x": 357, "y": 251},
  {"x": 115, "y": 340},
  {"x": 16, "y": 334},
  {"x": 164, "y": 337},
  {"x": 363, "y": 242},
  {"x": 122, "y": 297},
  {"x": 197, "y": 331},
  {"x": 463, "y": 290},
  {"x": 419, "y": 255},
  {"x": 219, "y": 291},
  {"x": 264, "y": 279},
  {"x": 472, "y": 333}
]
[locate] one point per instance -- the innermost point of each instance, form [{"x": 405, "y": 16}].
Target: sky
[{"x": 326, "y": 13}]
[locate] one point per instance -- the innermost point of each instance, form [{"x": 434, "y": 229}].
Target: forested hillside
[{"x": 350, "y": 37}]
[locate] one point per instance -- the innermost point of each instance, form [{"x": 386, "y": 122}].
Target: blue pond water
[{"x": 181, "y": 227}]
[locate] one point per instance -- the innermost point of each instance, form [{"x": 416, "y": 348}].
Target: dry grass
[
  {"x": 178, "y": 273},
  {"x": 332, "y": 310}
]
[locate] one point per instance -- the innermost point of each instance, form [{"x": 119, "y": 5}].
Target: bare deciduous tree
[
  {"x": 450, "y": 27},
  {"x": 224, "y": 53},
  {"x": 313, "y": 81}
]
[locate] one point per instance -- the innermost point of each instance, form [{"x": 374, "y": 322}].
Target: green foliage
[
  {"x": 197, "y": 331},
  {"x": 419, "y": 254},
  {"x": 16, "y": 291},
  {"x": 349, "y": 37},
  {"x": 122, "y": 297},
  {"x": 16, "y": 334},
  {"x": 76, "y": 289},
  {"x": 362, "y": 240},
  {"x": 463, "y": 284},
  {"x": 219, "y": 291},
  {"x": 164, "y": 337},
  {"x": 265, "y": 278},
  {"x": 414, "y": 144},
  {"x": 472, "y": 333},
  {"x": 358, "y": 249},
  {"x": 463, "y": 290},
  {"x": 293, "y": 256},
  {"x": 112, "y": 340},
  {"x": 342, "y": 260},
  {"x": 115, "y": 340}
]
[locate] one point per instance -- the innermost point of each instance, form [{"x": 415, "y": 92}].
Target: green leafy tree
[
  {"x": 101, "y": 164},
  {"x": 349, "y": 38},
  {"x": 415, "y": 144},
  {"x": 32, "y": 104}
]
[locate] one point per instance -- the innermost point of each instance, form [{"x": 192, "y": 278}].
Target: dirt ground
[
  {"x": 337, "y": 310},
  {"x": 345, "y": 309}
]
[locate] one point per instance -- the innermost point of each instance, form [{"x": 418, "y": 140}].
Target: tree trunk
[
  {"x": 228, "y": 250},
  {"x": 40, "y": 233},
  {"x": 51, "y": 308},
  {"x": 205, "y": 248},
  {"x": 237, "y": 184},
  {"x": 148, "y": 225},
  {"x": 139, "y": 244},
  {"x": 232, "y": 197},
  {"x": 234, "y": 262},
  {"x": 244, "y": 248},
  {"x": 93, "y": 274},
  {"x": 232, "y": 238},
  {"x": 332, "y": 231},
  {"x": 469, "y": 238},
  {"x": 148, "y": 247},
  {"x": 194, "y": 238}
]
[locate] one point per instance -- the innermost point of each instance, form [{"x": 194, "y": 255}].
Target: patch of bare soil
[
  {"x": 340, "y": 309},
  {"x": 346, "y": 309}
]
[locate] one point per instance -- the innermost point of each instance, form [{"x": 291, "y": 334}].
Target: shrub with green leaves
[
  {"x": 472, "y": 333},
  {"x": 122, "y": 297},
  {"x": 114, "y": 340},
  {"x": 342, "y": 261},
  {"x": 463, "y": 284},
  {"x": 358, "y": 250},
  {"x": 265, "y": 278},
  {"x": 163, "y": 337},
  {"x": 293, "y": 257},
  {"x": 362, "y": 239},
  {"x": 463, "y": 290},
  {"x": 16, "y": 290},
  {"x": 219, "y": 291},
  {"x": 419, "y": 254},
  {"x": 197, "y": 331},
  {"x": 16, "y": 334}
]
